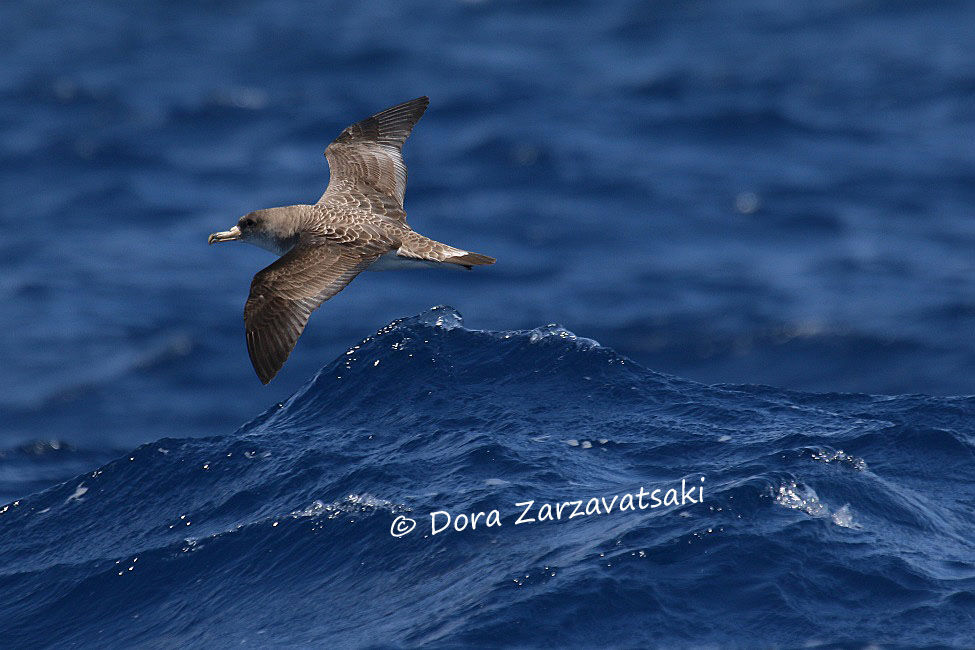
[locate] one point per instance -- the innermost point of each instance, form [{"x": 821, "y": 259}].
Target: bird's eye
[{"x": 246, "y": 222}]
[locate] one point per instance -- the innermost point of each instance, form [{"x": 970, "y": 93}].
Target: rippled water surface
[{"x": 838, "y": 519}]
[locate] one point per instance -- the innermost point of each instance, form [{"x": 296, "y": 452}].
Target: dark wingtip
[
  {"x": 261, "y": 359},
  {"x": 390, "y": 126},
  {"x": 264, "y": 374},
  {"x": 265, "y": 371},
  {"x": 422, "y": 100}
]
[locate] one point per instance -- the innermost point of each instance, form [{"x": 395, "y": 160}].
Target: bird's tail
[
  {"x": 470, "y": 259},
  {"x": 434, "y": 251}
]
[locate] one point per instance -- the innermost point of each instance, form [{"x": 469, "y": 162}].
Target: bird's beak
[{"x": 226, "y": 235}]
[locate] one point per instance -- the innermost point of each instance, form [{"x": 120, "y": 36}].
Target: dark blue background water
[{"x": 750, "y": 193}]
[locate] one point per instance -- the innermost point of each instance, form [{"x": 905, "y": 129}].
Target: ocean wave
[{"x": 281, "y": 532}]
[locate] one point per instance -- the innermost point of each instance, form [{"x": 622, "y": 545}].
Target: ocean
[{"x": 735, "y": 260}]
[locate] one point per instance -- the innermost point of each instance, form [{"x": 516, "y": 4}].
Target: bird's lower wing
[{"x": 284, "y": 295}]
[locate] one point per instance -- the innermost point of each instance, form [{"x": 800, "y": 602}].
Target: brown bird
[{"x": 358, "y": 224}]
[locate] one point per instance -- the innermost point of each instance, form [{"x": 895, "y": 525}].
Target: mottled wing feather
[
  {"x": 367, "y": 156},
  {"x": 284, "y": 295}
]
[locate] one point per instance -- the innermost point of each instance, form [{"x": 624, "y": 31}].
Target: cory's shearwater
[{"x": 358, "y": 224}]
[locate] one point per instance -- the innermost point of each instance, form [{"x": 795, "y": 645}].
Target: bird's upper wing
[
  {"x": 367, "y": 156},
  {"x": 284, "y": 295}
]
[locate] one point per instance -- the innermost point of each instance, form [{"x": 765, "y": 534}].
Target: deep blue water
[
  {"x": 826, "y": 518},
  {"x": 730, "y": 196}
]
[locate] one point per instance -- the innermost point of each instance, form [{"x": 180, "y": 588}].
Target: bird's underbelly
[
  {"x": 391, "y": 261},
  {"x": 276, "y": 246}
]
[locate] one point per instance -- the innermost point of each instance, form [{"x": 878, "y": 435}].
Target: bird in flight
[{"x": 358, "y": 224}]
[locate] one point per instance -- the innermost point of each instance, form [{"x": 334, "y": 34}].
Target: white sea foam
[
  {"x": 839, "y": 456},
  {"x": 78, "y": 493},
  {"x": 350, "y": 503},
  {"x": 802, "y": 497},
  {"x": 844, "y": 517}
]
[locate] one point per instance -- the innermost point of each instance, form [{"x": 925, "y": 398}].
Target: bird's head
[
  {"x": 273, "y": 229},
  {"x": 249, "y": 226}
]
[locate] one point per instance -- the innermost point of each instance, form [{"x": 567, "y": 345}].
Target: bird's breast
[{"x": 273, "y": 244}]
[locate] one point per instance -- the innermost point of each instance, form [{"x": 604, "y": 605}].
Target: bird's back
[{"x": 349, "y": 218}]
